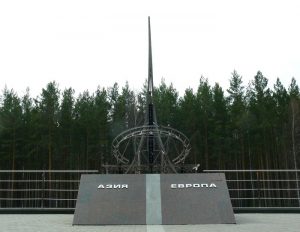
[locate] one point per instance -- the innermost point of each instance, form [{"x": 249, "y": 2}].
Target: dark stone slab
[
  {"x": 153, "y": 199},
  {"x": 111, "y": 206},
  {"x": 195, "y": 205}
]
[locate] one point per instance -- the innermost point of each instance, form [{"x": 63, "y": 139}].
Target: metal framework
[{"x": 155, "y": 149}]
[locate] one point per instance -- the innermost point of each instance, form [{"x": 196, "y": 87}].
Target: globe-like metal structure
[{"x": 150, "y": 148}]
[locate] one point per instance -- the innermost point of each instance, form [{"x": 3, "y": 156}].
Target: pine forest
[{"x": 247, "y": 126}]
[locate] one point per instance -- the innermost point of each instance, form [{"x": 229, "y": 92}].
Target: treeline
[{"x": 243, "y": 127}]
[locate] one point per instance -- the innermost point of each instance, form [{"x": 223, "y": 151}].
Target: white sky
[{"x": 84, "y": 44}]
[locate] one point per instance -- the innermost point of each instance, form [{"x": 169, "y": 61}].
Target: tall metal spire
[
  {"x": 151, "y": 119},
  {"x": 150, "y": 66},
  {"x": 151, "y": 116}
]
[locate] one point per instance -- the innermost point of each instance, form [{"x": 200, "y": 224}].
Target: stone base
[{"x": 157, "y": 199}]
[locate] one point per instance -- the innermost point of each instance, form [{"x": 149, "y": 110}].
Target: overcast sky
[{"x": 84, "y": 44}]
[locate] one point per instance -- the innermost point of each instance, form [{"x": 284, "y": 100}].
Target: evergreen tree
[
  {"x": 83, "y": 127},
  {"x": 10, "y": 128},
  {"x": 48, "y": 108},
  {"x": 117, "y": 111},
  {"x": 187, "y": 122},
  {"x": 261, "y": 114},
  {"x": 281, "y": 100},
  {"x": 128, "y": 98},
  {"x": 28, "y": 133},
  {"x": 294, "y": 121},
  {"x": 204, "y": 100},
  {"x": 236, "y": 100},
  {"x": 166, "y": 104},
  {"x": 220, "y": 127},
  {"x": 237, "y": 121},
  {"x": 102, "y": 139},
  {"x": 65, "y": 125}
]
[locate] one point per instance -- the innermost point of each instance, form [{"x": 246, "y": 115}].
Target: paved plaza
[{"x": 63, "y": 223}]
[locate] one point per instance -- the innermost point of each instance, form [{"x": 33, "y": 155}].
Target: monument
[
  {"x": 156, "y": 149},
  {"x": 151, "y": 192}
]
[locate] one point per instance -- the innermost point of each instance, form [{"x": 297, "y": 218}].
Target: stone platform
[{"x": 63, "y": 222}]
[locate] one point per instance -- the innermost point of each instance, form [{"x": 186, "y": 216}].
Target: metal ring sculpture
[{"x": 123, "y": 140}]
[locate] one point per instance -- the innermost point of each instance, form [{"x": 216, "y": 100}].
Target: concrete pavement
[{"x": 63, "y": 223}]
